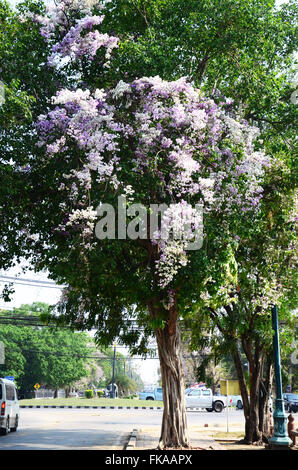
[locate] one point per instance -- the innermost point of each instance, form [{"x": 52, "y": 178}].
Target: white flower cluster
[
  {"x": 99, "y": 94},
  {"x": 129, "y": 192},
  {"x": 120, "y": 89},
  {"x": 172, "y": 258},
  {"x": 80, "y": 97},
  {"x": 56, "y": 14},
  {"x": 207, "y": 189},
  {"x": 235, "y": 129},
  {"x": 205, "y": 296},
  {"x": 85, "y": 217},
  {"x": 85, "y": 6},
  {"x": 180, "y": 225},
  {"x": 56, "y": 146},
  {"x": 241, "y": 133},
  {"x": 254, "y": 164}
]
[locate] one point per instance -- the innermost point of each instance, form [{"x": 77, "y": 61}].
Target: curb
[
  {"x": 94, "y": 407},
  {"x": 107, "y": 407},
  {"x": 132, "y": 440}
]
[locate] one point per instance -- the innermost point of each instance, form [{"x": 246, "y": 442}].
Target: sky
[{"x": 27, "y": 294}]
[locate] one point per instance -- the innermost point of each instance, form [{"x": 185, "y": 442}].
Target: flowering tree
[
  {"x": 144, "y": 143},
  {"x": 266, "y": 275}
]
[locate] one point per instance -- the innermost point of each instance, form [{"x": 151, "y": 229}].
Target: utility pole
[
  {"x": 2, "y": 353},
  {"x": 280, "y": 438},
  {"x": 113, "y": 376},
  {"x": 227, "y": 387}
]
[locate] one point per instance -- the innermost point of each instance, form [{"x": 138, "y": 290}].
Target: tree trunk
[
  {"x": 243, "y": 388},
  {"x": 264, "y": 404},
  {"x": 254, "y": 434},
  {"x": 256, "y": 406},
  {"x": 174, "y": 433}
]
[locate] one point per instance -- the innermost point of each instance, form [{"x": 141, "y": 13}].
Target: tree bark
[
  {"x": 264, "y": 402},
  {"x": 243, "y": 388},
  {"x": 254, "y": 434},
  {"x": 256, "y": 404},
  {"x": 174, "y": 433}
]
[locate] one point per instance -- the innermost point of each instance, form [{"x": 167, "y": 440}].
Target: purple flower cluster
[
  {"x": 77, "y": 45},
  {"x": 78, "y": 40},
  {"x": 164, "y": 132}
]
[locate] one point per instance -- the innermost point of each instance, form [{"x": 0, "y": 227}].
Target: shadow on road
[{"x": 67, "y": 439}]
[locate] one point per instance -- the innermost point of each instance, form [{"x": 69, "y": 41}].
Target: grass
[
  {"x": 89, "y": 402},
  {"x": 227, "y": 435}
]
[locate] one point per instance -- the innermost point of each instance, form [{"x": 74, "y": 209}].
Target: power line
[
  {"x": 31, "y": 322},
  {"x": 38, "y": 281},
  {"x": 24, "y": 320},
  {"x": 34, "y": 284},
  {"x": 79, "y": 356}
]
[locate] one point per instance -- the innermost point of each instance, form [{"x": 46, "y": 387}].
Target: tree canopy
[
  {"x": 180, "y": 103},
  {"x": 53, "y": 357}
]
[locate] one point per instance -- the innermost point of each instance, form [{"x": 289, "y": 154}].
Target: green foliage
[
  {"x": 89, "y": 393},
  {"x": 126, "y": 385},
  {"x": 242, "y": 48},
  {"x": 49, "y": 356}
]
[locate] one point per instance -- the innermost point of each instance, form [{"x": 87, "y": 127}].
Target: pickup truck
[
  {"x": 203, "y": 398},
  {"x": 155, "y": 394},
  {"x": 194, "y": 398},
  {"x": 236, "y": 400}
]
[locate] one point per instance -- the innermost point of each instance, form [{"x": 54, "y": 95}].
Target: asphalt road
[{"x": 90, "y": 429}]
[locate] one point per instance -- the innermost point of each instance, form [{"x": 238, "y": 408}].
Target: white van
[{"x": 9, "y": 406}]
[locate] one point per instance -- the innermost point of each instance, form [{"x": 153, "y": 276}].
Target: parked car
[
  {"x": 155, "y": 394},
  {"x": 291, "y": 402},
  {"x": 9, "y": 406}
]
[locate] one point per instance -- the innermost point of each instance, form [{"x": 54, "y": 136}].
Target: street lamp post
[
  {"x": 280, "y": 437},
  {"x": 113, "y": 377}
]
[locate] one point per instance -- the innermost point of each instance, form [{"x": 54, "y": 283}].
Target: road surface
[{"x": 91, "y": 429}]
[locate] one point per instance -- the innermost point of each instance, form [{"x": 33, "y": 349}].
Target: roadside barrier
[
  {"x": 95, "y": 407},
  {"x": 109, "y": 407}
]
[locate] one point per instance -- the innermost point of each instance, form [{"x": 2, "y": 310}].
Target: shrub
[
  {"x": 100, "y": 393},
  {"x": 89, "y": 393}
]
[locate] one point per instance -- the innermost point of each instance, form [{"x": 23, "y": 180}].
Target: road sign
[{"x": 36, "y": 386}]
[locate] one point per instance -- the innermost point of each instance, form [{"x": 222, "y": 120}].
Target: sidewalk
[{"x": 147, "y": 439}]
